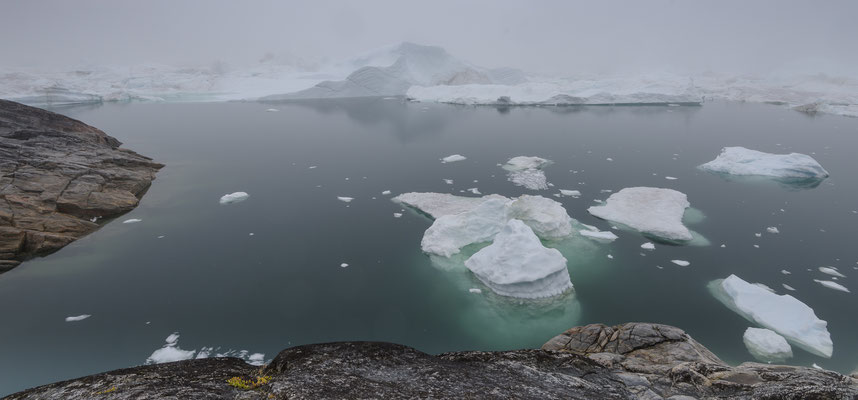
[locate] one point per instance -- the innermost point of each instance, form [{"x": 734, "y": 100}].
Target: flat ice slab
[
  {"x": 766, "y": 345},
  {"x": 449, "y": 233},
  {"x": 651, "y": 211},
  {"x": 746, "y": 162},
  {"x": 527, "y": 172},
  {"x": 77, "y": 318},
  {"x": 453, "y": 158},
  {"x": 234, "y": 197},
  {"x": 516, "y": 264},
  {"x": 596, "y": 234},
  {"x": 783, "y": 314},
  {"x": 437, "y": 205}
]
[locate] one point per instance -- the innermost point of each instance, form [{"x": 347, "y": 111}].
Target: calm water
[{"x": 219, "y": 286}]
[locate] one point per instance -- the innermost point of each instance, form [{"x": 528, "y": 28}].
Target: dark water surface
[{"x": 219, "y": 286}]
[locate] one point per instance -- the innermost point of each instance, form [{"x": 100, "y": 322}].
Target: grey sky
[{"x": 541, "y": 36}]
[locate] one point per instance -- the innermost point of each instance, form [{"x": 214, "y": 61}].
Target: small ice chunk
[
  {"x": 758, "y": 234},
  {"x": 386, "y": 192},
  {"x": 343, "y": 265},
  {"x": 453, "y": 158},
  {"x": 681, "y": 263},
  {"x": 831, "y": 271},
  {"x": 474, "y": 191},
  {"x": 345, "y": 199},
  {"x": 570, "y": 193},
  {"x": 527, "y": 172},
  {"x": 160, "y": 236},
  {"x": 448, "y": 181},
  {"x": 742, "y": 161},
  {"x": 766, "y": 345},
  {"x": 785, "y": 272},
  {"x": 772, "y": 229},
  {"x": 312, "y": 167},
  {"x": 397, "y": 215},
  {"x": 596, "y": 234},
  {"x": 475, "y": 290},
  {"x": 670, "y": 178},
  {"x": 832, "y": 285},
  {"x": 783, "y": 314},
  {"x": 610, "y": 256},
  {"x": 652, "y": 211},
  {"x": 272, "y": 110},
  {"x": 516, "y": 264},
  {"x": 233, "y": 197},
  {"x": 78, "y": 318},
  {"x": 170, "y": 352},
  {"x": 788, "y": 287},
  {"x": 648, "y": 246},
  {"x": 132, "y": 221}
]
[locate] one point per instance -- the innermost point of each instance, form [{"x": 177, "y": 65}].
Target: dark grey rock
[
  {"x": 652, "y": 362},
  {"x": 56, "y": 173}
]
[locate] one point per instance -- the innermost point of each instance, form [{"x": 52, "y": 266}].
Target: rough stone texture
[
  {"x": 56, "y": 173},
  {"x": 630, "y": 361}
]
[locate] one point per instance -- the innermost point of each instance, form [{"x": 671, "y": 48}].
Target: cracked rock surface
[
  {"x": 56, "y": 174},
  {"x": 629, "y": 361}
]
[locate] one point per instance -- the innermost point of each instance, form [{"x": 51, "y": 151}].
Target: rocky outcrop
[
  {"x": 59, "y": 176},
  {"x": 630, "y": 361}
]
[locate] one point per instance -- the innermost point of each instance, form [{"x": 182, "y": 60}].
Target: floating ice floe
[
  {"x": 475, "y": 290},
  {"x": 681, "y": 263},
  {"x": 570, "y": 193},
  {"x": 386, "y": 192},
  {"x": 831, "y": 271},
  {"x": 597, "y": 234},
  {"x": 766, "y": 345},
  {"x": 648, "y": 246},
  {"x": 77, "y": 318},
  {"x": 132, "y": 221},
  {"x": 546, "y": 217},
  {"x": 652, "y": 211},
  {"x": 516, "y": 264},
  {"x": 832, "y": 285},
  {"x": 527, "y": 172},
  {"x": 345, "y": 199},
  {"x": 670, "y": 178},
  {"x": 788, "y": 287},
  {"x": 397, "y": 215},
  {"x": 783, "y": 314},
  {"x": 773, "y": 229},
  {"x": 234, "y": 197},
  {"x": 448, "y": 181},
  {"x": 437, "y": 205},
  {"x": 449, "y": 233},
  {"x": 453, "y": 158},
  {"x": 794, "y": 168},
  {"x": 474, "y": 191},
  {"x": 272, "y": 110},
  {"x": 343, "y": 265}
]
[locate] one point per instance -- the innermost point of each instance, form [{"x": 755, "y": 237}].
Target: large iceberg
[
  {"x": 783, "y": 314},
  {"x": 793, "y": 167},
  {"x": 516, "y": 264},
  {"x": 766, "y": 345},
  {"x": 652, "y": 211},
  {"x": 449, "y": 233},
  {"x": 527, "y": 172}
]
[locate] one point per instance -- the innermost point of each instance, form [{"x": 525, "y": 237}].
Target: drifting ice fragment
[
  {"x": 450, "y": 233},
  {"x": 783, "y": 314},
  {"x": 453, "y": 158},
  {"x": 345, "y": 199},
  {"x": 652, "y": 211},
  {"x": 831, "y": 271},
  {"x": 343, "y": 265},
  {"x": 234, "y": 197},
  {"x": 793, "y": 167},
  {"x": 772, "y": 229},
  {"x": 571, "y": 193},
  {"x": 516, "y": 264},
  {"x": 766, "y": 345},
  {"x": 132, "y": 221},
  {"x": 386, "y": 192},
  {"x": 527, "y": 172},
  {"x": 648, "y": 246},
  {"x": 602, "y": 235},
  {"x": 832, "y": 285},
  {"x": 681, "y": 263},
  {"x": 437, "y": 205},
  {"x": 475, "y": 290},
  {"x": 77, "y": 318}
]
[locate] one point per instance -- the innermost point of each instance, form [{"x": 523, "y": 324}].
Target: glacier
[
  {"x": 516, "y": 264},
  {"x": 654, "y": 212},
  {"x": 793, "y": 168},
  {"x": 783, "y": 314},
  {"x": 766, "y": 345}
]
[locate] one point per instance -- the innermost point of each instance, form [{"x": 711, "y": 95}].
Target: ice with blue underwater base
[
  {"x": 516, "y": 264},
  {"x": 654, "y": 212},
  {"x": 789, "y": 168},
  {"x": 783, "y": 314}
]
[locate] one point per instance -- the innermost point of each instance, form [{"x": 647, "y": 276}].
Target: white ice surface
[
  {"x": 832, "y": 285},
  {"x": 132, "y": 221},
  {"x": 527, "y": 171},
  {"x": 651, "y": 211},
  {"x": 437, "y": 205},
  {"x": 449, "y": 233},
  {"x": 681, "y": 263},
  {"x": 597, "y": 234},
  {"x": 746, "y": 162},
  {"x": 234, "y": 197},
  {"x": 516, "y": 264},
  {"x": 453, "y": 158},
  {"x": 345, "y": 199},
  {"x": 546, "y": 217},
  {"x": 171, "y": 352},
  {"x": 570, "y": 193},
  {"x": 77, "y": 318},
  {"x": 766, "y": 345},
  {"x": 783, "y": 314},
  {"x": 831, "y": 271}
]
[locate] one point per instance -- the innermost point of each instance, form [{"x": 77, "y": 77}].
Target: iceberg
[
  {"x": 449, "y": 233},
  {"x": 527, "y": 172},
  {"x": 766, "y": 345},
  {"x": 783, "y": 314},
  {"x": 652, "y": 211},
  {"x": 793, "y": 168},
  {"x": 234, "y": 198},
  {"x": 437, "y": 205},
  {"x": 516, "y": 264},
  {"x": 546, "y": 217}
]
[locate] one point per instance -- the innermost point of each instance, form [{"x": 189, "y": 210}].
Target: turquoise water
[{"x": 218, "y": 286}]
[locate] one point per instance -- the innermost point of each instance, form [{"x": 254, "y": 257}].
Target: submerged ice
[{"x": 516, "y": 264}]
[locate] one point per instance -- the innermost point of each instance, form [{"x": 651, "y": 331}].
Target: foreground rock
[
  {"x": 634, "y": 360},
  {"x": 57, "y": 175}
]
